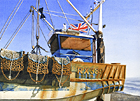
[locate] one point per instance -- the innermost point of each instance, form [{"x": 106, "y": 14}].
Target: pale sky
[{"x": 121, "y": 35}]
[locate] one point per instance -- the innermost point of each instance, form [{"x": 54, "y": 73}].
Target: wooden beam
[
  {"x": 93, "y": 80},
  {"x": 43, "y": 18}
]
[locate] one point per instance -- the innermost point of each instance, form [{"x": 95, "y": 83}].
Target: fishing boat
[{"x": 76, "y": 69}]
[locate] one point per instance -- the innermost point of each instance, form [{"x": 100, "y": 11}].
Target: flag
[
  {"x": 82, "y": 27},
  {"x": 41, "y": 11}
]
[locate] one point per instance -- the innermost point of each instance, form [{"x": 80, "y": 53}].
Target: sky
[{"x": 121, "y": 34}]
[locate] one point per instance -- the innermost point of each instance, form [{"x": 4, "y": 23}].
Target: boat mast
[
  {"x": 100, "y": 42},
  {"x": 100, "y": 18},
  {"x": 38, "y": 47},
  {"x": 37, "y": 29},
  {"x": 98, "y": 34}
]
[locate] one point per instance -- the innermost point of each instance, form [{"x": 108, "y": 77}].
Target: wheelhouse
[{"x": 72, "y": 44}]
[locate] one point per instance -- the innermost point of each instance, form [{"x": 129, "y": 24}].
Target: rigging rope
[
  {"x": 63, "y": 12},
  {"x": 42, "y": 32},
  {"x": 17, "y": 30},
  {"x": 44, "y": 38},
  {"x": 37, "y": 70},
  {"x": 36, "y": 3},
  {"x": 64, "y": 17},
  {"x": 46, "y": 25},
  {"x": 11, "y": 18},
  {"x": 37, "y": 25},
  {"x": 32, "y": 33},
  {"x": 89, "y": 6},
  {"x": 61, "y": 73},
  {"x": 91, "y": 20},
  {"x": 49, "y": 12},
  {"x": 11, "y": 68}
]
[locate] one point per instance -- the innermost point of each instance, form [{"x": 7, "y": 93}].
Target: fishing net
[
  {"x": 62, "y": 69},
  {"x": 57, "y": 66},
  {"x": 37, "y": 64},
  {"x": 11, "y": 61}
]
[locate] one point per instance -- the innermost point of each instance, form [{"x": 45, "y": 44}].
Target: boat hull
[
  {"x": 76, "y": 91},
  {"x": 53, "y": 80}
]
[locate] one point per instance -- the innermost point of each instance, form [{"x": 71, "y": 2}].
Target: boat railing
[{"x": 112, "y": 75}]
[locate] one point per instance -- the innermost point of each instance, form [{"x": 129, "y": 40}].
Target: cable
[
  {"x": 46, "y": 25},
  {"x": 49, "y": 12},
  {"x": 61, "y": 73},
  {"x": 42, "y": 32},
  {"x": 9, "y": 16},
  {"x": 13, "y": 33},
  {"x": 63, "y": 12},
  {"x": 37, "y": 69},
  {"x": 64, "y": 17},
  {"x": 91, "y": 17},
  {"x": 37, "y": 28},
  {"x": 44, "y": 38},
  {"x": 10, "y": 19},
  {"x": 17, "y": 30},
  {"x": 32, "y": 31}
]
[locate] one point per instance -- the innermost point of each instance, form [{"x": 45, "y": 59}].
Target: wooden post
[{"x": 94, "y": 51}]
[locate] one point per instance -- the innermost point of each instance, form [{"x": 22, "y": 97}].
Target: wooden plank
[
  {"x": 93, "y": 80},
  {"x": 75, "y": 43},
  {"x": 101, "y": 70},
  {"x": 106, "y": 72}
]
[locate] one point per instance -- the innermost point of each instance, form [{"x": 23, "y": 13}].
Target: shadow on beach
[{"x": 123, "y": 97}]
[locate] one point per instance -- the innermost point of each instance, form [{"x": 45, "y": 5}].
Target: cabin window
[
  {"x": 54, "y": 45},
  {"x": 75, "y": 43}
]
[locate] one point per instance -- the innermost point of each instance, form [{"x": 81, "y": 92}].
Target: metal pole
[
  {"x": 102, "y": 1},
  {"x": 92, "y": 11},
  {"x": 43, "y": 18},
  {"x": 100, "y": 20},
  {"x": 81, "y": 16},
  {"x": 37, "y": 30},
  {"x": 100, "y": 42}
]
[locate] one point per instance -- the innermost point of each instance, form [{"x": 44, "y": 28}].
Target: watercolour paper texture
[{"x": 120, "y": 36}]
